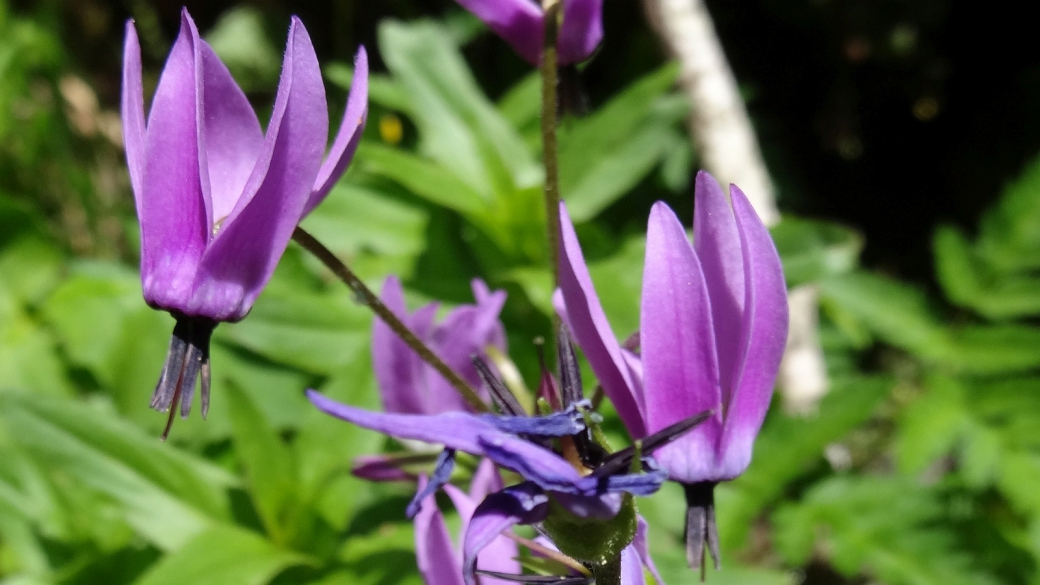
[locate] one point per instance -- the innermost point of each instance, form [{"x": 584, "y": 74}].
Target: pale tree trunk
[{"x": 728, "y": 148}]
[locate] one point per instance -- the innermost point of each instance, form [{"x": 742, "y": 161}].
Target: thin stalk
[
  {"x": 369, "y": 298},
  {"x": 549, "y": 123}
]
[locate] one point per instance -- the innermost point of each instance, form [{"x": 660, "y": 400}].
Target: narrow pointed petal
[
  {"x": 433, "y": 550},
  {"x": 764, "y": 332},
  {"x": 243, "y": 255},
  {"x": 486, "y": 480},
  {"x": 678, "y": 347},
  {"x": 348, "y": 136},
  {"x": 718, "y": 247},
  {"x": 132, "y": 109},
  {"x": 517, "y": 22},
  {"x": 232, "y": 134},
  {"x": 399, "y": 372},
  {"x": 174, "y": 215},
  {"x": 442, "y": 471},
  {"x": 387, "y": 467},
  {"x": 520, "y": 504},
  {"x": 581, "y": 32},
  {"x": 592, "y": 331}
]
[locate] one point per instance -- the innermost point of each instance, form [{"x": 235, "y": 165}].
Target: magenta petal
[
  {"x": 591, "y": 330},
  {"x": 518, "y": 22},
  {"x": 718, "y": 247},
  {"x": 581, "y": 32},
  {"x": 243, "y": 255},
  {"x": 132, "y": 109},
  {"x": 379, "y": 468},
  {"x": 348, "y": 136},
  {"x": 678, "y": 348},
  {"x": 520, "y": 504},
  {"x": 175, "y": 221},
  {"x": 764, "y": 333},
  {"x": 433, "y": 551},
  {"x": 501, "y": 554},
  {"x": 399, "y": 372},
  {"x": 641, "y": 547},
  {"x": 233, "y": 138},
  {"x": 466, "y": 331}
]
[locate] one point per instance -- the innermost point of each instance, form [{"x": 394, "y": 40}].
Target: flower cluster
[{"x": 218, "y": 201}]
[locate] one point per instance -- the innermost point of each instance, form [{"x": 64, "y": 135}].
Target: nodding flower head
[
  {"x": 521, "y": 24},
  {"x": 712, "y": 329},
  {"x": 217, "y": 198}
]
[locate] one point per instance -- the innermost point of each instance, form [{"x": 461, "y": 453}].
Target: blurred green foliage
[{"x": 920, "y": 465}]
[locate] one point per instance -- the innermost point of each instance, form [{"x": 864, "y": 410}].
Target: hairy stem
[
  {"x": 369, "y": 298},
  {"x": 608, "y": 573},
  {"x": 549, "y": 123}
]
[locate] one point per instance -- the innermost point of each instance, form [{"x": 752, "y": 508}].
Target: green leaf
[
  {"x": 1009, "y": 238},
  {"x": 431, "y": 181},
  {"x": 603, "y": 155},
  {"x": 269, "y": 465},
  {"x": 811, "y": 250},
  {"x": 458, "y": 126},
  {"x": 967, "y": 283},
  {"x": 167, "y": 496},
  {"x": 223, "y": 555},
  {"x": 789, "y": 447}
]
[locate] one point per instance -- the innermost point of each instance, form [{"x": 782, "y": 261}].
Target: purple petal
[
  {"x": 641, "y": 547},
  {"x": 433, "y": 551},
  {"x": 442, "y": 470},
  {"x": 678, "y": 348},
  {"x": 458, "y": 430},
  {"x": 581, "y": 32},
  {"x": 399, "y": 371},
  {"x": 501, "y": 554},
  {"x": 348, "y": 136},
  {"x": 132, "y": 109},
  {"x": 536, "y": 464},
  {"x": 591, "y": 330},
  {"x": 232, "y": 136},
  {"x": 555, "y": 424},
  {"x": 517, "y": 22},
  {"x": 379, "y": 468},
  {"x": 764, "y": 332},
  {"x": 172, "y": 209},
  {"x": 520, "y": 504},
  {"x": 718, "y": 247},
  {"x": 244, "y": 253}
]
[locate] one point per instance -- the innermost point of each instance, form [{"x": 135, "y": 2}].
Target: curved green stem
[{"x": 369, "y": 298}]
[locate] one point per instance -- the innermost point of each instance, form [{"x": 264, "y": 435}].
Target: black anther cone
[
  {"x": 700, "y": 523},
  {"x": 187, "y": 358}
]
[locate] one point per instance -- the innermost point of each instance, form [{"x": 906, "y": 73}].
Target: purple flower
[
  {"x": 521, "y": 22},
  {"x": 409, "y": 385},
  {"x": 439, "y": 562},
  {"x": 712, "y": 330},
  {"x": 217, "y": 198}
]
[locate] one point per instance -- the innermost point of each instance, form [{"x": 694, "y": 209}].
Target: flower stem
[
  {"x": 551, "y": 9},
  {"x": 608, "y": 573},
  {"x": 369, "y": 298}
]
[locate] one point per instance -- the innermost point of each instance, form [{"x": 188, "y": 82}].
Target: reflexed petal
[
  {"x": 518, "y": 22},
  {"x": 243, "y": 255},
  {"x": 233, "y": 139},
  {"x": 382, "y": 468},
  {"x": 520, "y": 504},
  {"x": 678, "y": 347},
  {"x": 591, "y": 330},
  {"x": 348, "y": 136},
  {"x": 555, "y": 424},
  {"x": 175, "y": 221},
  {"x": 581, "y": 32},
  {"x": 501, "y": 554},
  {"x": 433, "y": 551},
  {"x": 536, "y": 464},
  {"x": 132, "y": 109},
  {"x": 764, "y": 334},
  {"x": 717, "y": 244},
  {"x": 398, "y": 370}
]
